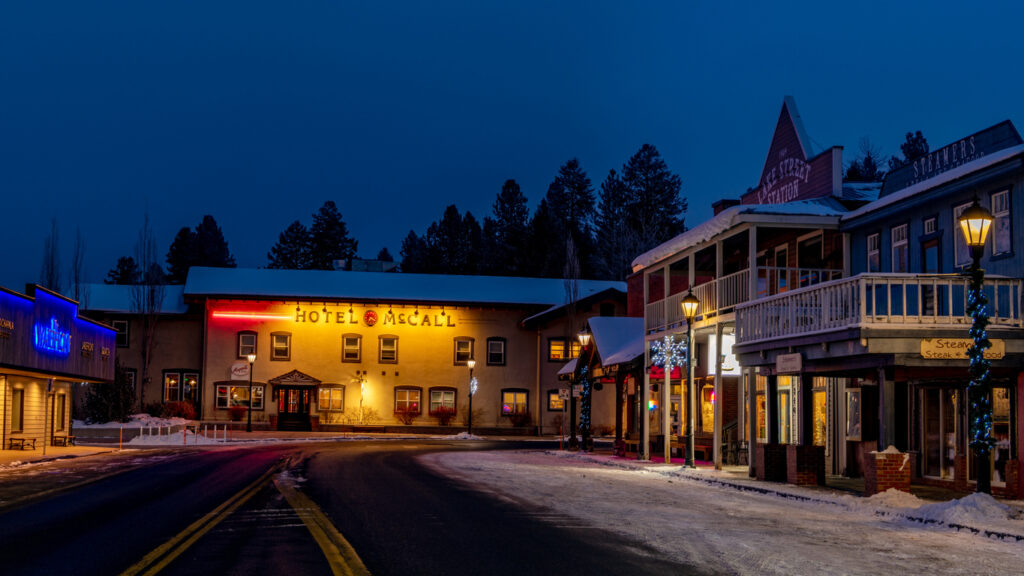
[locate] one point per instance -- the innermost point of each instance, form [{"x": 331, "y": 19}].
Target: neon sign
[{"x": 50, "y": 338}]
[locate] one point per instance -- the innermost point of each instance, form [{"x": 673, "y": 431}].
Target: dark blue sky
[{"x": 257, "y": 112}]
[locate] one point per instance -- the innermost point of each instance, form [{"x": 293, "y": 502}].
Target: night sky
[{"x": 258, "y": 112}]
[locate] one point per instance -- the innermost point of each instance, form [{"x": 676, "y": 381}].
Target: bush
[
  {"x": 110, "y": 401},
  {"x": 520, "y": 419},
  {"x": 444, "y": 415},
  {"x": 406, "y": 416},
  {"x": 154, "y": 409},
  {"x": 184, "y": 410},
  {"x": 236, "y": 413},
  {"x": 361, "y": 416}
]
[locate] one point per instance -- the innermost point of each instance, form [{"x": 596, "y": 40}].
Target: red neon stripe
[{"x": 250, "y": 315}]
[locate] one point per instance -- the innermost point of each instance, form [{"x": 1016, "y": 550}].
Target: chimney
[{"x": 723, "y": 204}]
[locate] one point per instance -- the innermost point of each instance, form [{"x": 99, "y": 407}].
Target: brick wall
[
  {"x": 886, "y": 470},
  {"x": 771, "y": 462},
  {"x": 960, "y": 473},
  {"x": 805, "y": 465},
  {"x": 1012, "y": 489}
]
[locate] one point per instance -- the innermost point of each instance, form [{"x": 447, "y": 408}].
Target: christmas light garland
[{"x": 979, "y": 388}]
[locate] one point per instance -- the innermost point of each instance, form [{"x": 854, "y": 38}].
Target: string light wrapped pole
[
  {"x": 975, "y": 222},
  {"x": 472, "y": 390},
  {"x": 586, "y": 388},
  {"x": 248, "y": 423},
  {"x": 667, "y": 353},
  {"x": 689, "y": 304}
]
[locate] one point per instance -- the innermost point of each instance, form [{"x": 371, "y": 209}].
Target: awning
[
  {"x": 295, "y": 379},
  {"x": 619, "y": 340},
  {"x": 568, "y": 369},
  {"x": 657, "y": 372}
]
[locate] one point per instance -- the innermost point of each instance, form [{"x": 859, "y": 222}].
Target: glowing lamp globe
[
  {"x": 690, "y": 304},
  {"x": 975, "y": 222}
]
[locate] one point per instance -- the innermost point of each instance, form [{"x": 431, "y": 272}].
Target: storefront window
[
  {"x": 331, "y": 405},
  {"x": 707, "y": 408},
  {"x": 228, "y": 396},
  {"x": 1001, "y": 434},
  {"x": 819, "y": 410},
  {"x": 760, "y": 401},
  {"x": 938, "y": 410},
  {"x": 789, "y": 393},
  {"x": 853, "y": 427}
]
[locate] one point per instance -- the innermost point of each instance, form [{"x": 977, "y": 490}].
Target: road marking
[
  {"x": 159, "y": 558},
  {"x": 340, "y": 554}
]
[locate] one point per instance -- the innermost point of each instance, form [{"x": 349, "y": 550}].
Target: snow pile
[
  {"x": 975, "y": 510},
  {"x": 141, "y": 420},
  {"x": 893, "y": 498},
  {"x": 459, "y": 436}
]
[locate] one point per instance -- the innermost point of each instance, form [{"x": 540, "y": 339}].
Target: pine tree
[
  {"x": 617, "y": 242},
  {"x": 182, "y": 255},
  {"x": 126, "y": 271},
  {"x": 292, "y": 251},
  {"x": 384, "y": 255},
  {"x": 654, "y": 209},
  {"x": 504, "y": 236},
  {"x": 546, "y": 244},
  {"x": 212, "y": 247},
  {"x": 415, "y": 258},
  {"x": 329, "y": 239},
  {"x": 570, "y": 201},
  {"x": 865, "y": 168},
  {"x": 914, "y": 146},
  {"x": 450, "y": 243}
]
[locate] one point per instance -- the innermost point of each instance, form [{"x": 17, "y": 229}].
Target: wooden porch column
[
  {"x": 719, "y": 397},
  {"x": 751, "y": 411},
  {"x": 752, "y": 256},
  {"x": 645, "y": 421}
]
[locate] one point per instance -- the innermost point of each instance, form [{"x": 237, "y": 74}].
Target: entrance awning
[{"x": 295, "y": 379}]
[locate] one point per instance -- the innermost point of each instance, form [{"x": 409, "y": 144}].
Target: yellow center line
[
  {"x": 159, "y": 558},
  {"x": 340, "y": 554}
]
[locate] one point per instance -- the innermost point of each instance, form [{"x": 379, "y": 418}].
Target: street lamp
[
  {"x": 248, "y": 424},
  {"x": 975, "y": 222},
  {"x": 472, "y": 389},
  {"x": 690, "y": 303},
  {"x": 585, "y": 400}
]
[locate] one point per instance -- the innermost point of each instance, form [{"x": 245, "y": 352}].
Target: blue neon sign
[{"x": 50, "y": 338}]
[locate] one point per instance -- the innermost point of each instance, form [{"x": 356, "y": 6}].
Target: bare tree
[
  {"x": 147, "y": 298},
  {"x": 49, "y": 277},
  {"x": 79, "y": 291}
]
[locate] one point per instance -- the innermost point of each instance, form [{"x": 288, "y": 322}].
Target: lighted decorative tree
[{"x": 667, "y": 354}]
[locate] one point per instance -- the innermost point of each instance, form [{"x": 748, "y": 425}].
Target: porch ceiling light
[
  {"x": 975, "y": 222},
  {"x": 690, "y": 303}
]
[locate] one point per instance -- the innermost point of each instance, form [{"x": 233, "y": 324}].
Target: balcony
[
  {"x": 723, "y": 295},
  {"x": 897, "y": 301}
]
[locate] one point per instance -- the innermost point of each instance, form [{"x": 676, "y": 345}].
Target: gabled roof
[
  {"x": 118, "y": 298},
  {"x": 558, "y": 310},
  {"x": 618, "y": 340},
  {"x": 378, "y": 286}
]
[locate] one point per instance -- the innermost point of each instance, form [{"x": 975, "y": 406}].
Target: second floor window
[
  {"x": 246, "y": 344},
  {"x": 463, "y": 350},
  {"x": 351, "y": 348},
  {"x": 962, "y": 254},
  {"x": 281, "y": 346},
  {"x": 495, "y": 351},
  {"x": 1001, "y": 237},
  {"x": 560, "y": 350},
  {"x": 122, "y": 338},
  {"x": 874, "y": 254},
  {"x": 388, "y": 350},
  {"x": 900, "y": 252}
]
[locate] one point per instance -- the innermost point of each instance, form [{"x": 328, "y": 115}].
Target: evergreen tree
[
  {"x": 654, "y": 209},
  {"x": 415, "y": 257},
  {"x": 865, "y": 168},
  {"x": 126, "y": 271},
  {"x": 504, "y": 236},
  {"x": 212, "y": 247},
  {"x": 450, "y": 243},
  {"x": 384, "y": 255},
  {"x": 570, "y": 201},
  {"x": 182, "y": 255},
  {"x": 329, "y": 239},
  {"x": 546, "y": 245},
  {"x": 914, "y": 146},
  {"x": 617, "y": 242},
  {"x": 292, "y": 251}
]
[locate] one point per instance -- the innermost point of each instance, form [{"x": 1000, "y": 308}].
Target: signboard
[
  {"x": 730, "y": 367},
  {"x": 577, "y": 390},
  {"x": 563, "y": 393},
  {"x": 240, "y": 370},
  {"x": 788, "y": 363},
  {"x": 956, "y": 349}
]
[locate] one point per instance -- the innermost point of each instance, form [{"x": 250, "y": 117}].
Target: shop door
[
  {"x": 939, "y": 432},
  {"x": 293, "y": 409}
]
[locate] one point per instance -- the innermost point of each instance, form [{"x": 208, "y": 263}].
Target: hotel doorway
[{"x": 293, "y": 408}]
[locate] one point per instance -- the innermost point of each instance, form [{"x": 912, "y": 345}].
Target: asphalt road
[{"x": 289, "y": 509}]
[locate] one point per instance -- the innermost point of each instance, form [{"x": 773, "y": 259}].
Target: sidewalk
[{"x": 11, "y": 458}]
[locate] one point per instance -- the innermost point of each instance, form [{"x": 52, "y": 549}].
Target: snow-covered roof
[
  {"x": 569, "y": 368},
  {"x": 733, "y": 216},
  {"x": 618, "y": 339},
  {"x": 117, "y": 299},
  {"x": 376, "y": 286},
  {"x": 862, "y": 191},
  {"x": 944, "y": 178}
]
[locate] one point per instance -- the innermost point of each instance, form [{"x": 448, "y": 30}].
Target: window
[
  {"x": 388, "y": 350},
  {"x": 900, "y": 253},
  {"x": 760, "y": 402},
  {"x": 172, "y": 386},
  {"x": 962, "y": 254},
  {"x": 331, "y": 404},
  {"x": 930, "y": 226},
  {"x": 60, "y": 411},
  {"x": 351, "y": 348},
  {"x": 463, "y": 350},
  {"x": 18, "y": 410},
  {"x": 514, "y": 402},
  {"x": 281, "y": 346},
  {"x": 555, "y": 402},
  {"x": 442, "y": 399},
  {"x": 407, "y": 400},
  {"x": 557, "y": 350},
  {"x": 229, "y": 395},
  {"x": 607, "y": 309},
  {"x": 190, "y": 387},
  {"x": 246, "y": 343},
  {"x": 874, "y": 253},
  {"x": 1001, "y": 238},
  {"x": 121, "y": 327},
  {"x": 495, "y": 351}
]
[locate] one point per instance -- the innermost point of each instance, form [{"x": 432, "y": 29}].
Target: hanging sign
[
  {"x": 563, "y": 393},
  {"x": 788, "y": 363},
  {"x": 240, "y": 370},
  {"x": 577, "y": 390},
  {"x": 956, "y": 349}
]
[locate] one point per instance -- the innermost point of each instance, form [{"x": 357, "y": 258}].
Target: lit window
[
  {"x": 388, "y": 350},
  {"x": 351, "y": 348},
  {"x": 555, "y": 402},
  {"x": 1002, "y": 240},
  {"x": 332, "y": 404},
  {"x": 172, "y": 386},
  {"x": 514, "y": 402},
  {"x": 557, "y": 349},
  {"x": 463, "y": 350},
  {"x": 900, "y": 251},
  {"x": 122, "y": 338},
  {"x": 495, "y": 351},
  {"x": 229, "y": 395},
  {"x": 246, "y": 344},
  {"x": 280, "y": 346},
  {"x": 407, "y": 400},
  {"x": 442, "y": 399},
  {"x": 874, "y": 254},
  {"x": 190, "y": 387}
]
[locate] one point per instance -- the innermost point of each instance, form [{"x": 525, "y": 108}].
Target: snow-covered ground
[
  {"x": 141, "y": 420},
  {"x": 734, "y": 525}
]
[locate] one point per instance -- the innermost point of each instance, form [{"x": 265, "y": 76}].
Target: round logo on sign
[{"x": 370, "y": 317}]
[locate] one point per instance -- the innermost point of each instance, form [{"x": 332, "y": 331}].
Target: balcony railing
[
  {"x": 876, "y": 300},
  {"x": 722, "y": 295}
]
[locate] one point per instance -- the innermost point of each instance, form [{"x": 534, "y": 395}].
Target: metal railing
[{"x": 876, "y": 300}]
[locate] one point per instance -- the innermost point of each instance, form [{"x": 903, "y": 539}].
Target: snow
[
  {"x": 117, "y": 299},
  {"x": 569, "y": 368},
  {"x": 459, "y": 436},
  {"x": 618, "y": 340},
  {"x": 384, "y": 286},
  {"x": 140, "y": 420},
  {"x": 723, "y": 522}
]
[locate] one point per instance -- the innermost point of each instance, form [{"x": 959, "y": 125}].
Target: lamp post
[
  {"x": 472, "y": 389},
  {"x": 690, "y": 303},
  {"x": 248, "y": 424},
  {"x": 585, "y": 400},
  {"x": 975, "y": 222}
]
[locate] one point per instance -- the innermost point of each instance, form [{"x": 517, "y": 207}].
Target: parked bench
[
  {"x": 63, "y": 440},
  {"x": 21, "y": 443}
]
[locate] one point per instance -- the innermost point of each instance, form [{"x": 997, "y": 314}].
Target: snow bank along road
[{"x": 725, "y": 530}]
